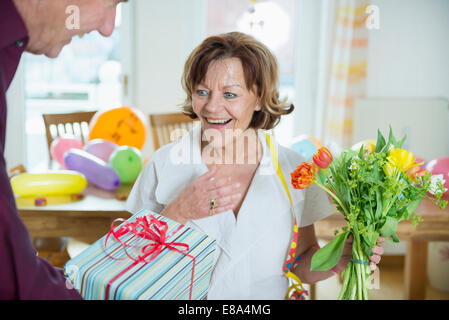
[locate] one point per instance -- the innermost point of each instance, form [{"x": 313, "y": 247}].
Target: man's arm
[{"x": 23, "y": 275}]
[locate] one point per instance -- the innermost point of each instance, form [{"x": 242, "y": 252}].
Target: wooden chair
[
  {"x": 67, "y": 123},
  {"x": 163, "y": 127}
]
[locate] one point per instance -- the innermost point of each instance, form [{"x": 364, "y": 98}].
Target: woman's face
[{"x": 222, "y": 101}]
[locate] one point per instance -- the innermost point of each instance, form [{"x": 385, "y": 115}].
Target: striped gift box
[{"x": 99, "y": 272}]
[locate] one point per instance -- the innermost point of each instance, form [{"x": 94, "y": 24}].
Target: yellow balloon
[
  {"x": 60, "y": 182},
  {"x": 368, "y": 145}
]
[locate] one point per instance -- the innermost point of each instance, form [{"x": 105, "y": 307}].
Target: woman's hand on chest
[
  {"x": 206, "y": 195},
  {"x": 241, "y": 174}
]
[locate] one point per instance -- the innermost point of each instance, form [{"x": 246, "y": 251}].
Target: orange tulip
[
  {"x": 322, "y": 158},
  {"x": 415, "y": 172},
  {"x": 302, "y": 177}
]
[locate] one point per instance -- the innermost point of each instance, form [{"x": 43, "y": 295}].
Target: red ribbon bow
[{"x": 153, "y": 230}]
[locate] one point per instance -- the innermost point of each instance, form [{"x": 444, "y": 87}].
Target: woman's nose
[{"x": 214, "y": 103}]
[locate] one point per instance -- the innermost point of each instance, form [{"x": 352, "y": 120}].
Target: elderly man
[{"x": 39, "y": 27}]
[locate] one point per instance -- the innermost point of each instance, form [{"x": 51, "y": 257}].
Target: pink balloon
[
  {"x": 440, "y": 166},
  {"x": 61, "y": 145},
  {"x": 101, "y": 148}
]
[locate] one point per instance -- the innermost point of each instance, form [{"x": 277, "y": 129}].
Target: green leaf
[
  {"x": 322, "y": 177},
  {"x": 327, "y": 257},
  {"x": 389, "y": 227},
  {"x": 395, "y": 237},
  {"x": 411, "y": 207},
  {"x": 379, "y": 208},
  {"x": 391, "y": 138},
  {"x": 400, "y": 143},
  {"x": 360, "y": 155},
  {"x": 380, "y": 141}
]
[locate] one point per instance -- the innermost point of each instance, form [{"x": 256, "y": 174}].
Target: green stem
[
  {"x": 358, "y": 272},
  {"x": 332, "y": 195},
  {"x": 352, "y": 283},
  {"x": 346, "y": 276}
]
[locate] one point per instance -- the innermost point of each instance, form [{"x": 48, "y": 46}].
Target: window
[{"x": 86, "y": 76}]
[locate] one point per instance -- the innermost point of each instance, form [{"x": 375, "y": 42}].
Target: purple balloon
[
  {"x": 101, "y": 148},
  {"x": 96, "y": 170}
]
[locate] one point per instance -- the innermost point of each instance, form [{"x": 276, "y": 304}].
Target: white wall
[
  {"x": 409, "y": 54},
  {"x": 166, "y": 33},
  {"x": 15, "y": 125}
]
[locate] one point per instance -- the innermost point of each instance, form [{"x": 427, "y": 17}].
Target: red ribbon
[{"x": 153, "y": 230}]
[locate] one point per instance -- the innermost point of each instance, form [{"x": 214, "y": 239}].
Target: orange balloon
[{"x": 123, "y": 126}]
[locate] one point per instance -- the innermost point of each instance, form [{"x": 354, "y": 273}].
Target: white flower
[
  {"x": 354, "y": 165},
  {"x": 434, "y": 183}
]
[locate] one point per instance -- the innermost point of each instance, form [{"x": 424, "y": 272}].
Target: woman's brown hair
[{"x": 259, "y": 67}]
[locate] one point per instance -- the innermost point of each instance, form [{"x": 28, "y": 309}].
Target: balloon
[
  {"x": 123, "y": 126},
  {"x": 60, "y": 145},
  {"x": 58, "y": 182},
  {"x": 369, "y": 145},
  {"x": 306, "y": 146},
  {"x": 101, "y": 148},
  {"x": 440, "y": 166},
  {"x": 96, "y": 170},
  {"x": 127, "y": 161}
]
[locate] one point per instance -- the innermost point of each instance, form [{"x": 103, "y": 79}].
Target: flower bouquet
[{"x": 374, "y": 190}]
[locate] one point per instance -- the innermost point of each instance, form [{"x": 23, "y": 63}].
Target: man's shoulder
[{"x": 12, "y": 26}]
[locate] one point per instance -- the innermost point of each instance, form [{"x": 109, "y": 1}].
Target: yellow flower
[
  {"x": 399, "y": 159},
  {"x": 388, "y": 169}
]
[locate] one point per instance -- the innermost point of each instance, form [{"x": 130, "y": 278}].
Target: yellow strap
[
  {"x": 296, "y": 282},
  {"x": 278, "y": 167}
]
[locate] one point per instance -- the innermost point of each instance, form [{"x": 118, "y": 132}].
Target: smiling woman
[{"x": 231, "y": 85}]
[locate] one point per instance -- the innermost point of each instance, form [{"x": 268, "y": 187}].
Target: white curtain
[{"x": 346, "y": 70}]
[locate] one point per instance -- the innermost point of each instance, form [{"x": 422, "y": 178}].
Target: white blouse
[{"x": 251, "y": 249}]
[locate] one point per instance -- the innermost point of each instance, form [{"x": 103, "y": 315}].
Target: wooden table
[
  {"x": 435, "y": 227},
  {"x": 87, "y": 219}
]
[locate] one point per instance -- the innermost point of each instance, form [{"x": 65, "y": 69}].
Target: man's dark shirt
[{"x": 23, "y": 275}]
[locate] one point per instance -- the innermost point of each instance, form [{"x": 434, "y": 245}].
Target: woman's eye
[
  {"x": 201, "y": 93},
  {"x": 229, "y": 95}
]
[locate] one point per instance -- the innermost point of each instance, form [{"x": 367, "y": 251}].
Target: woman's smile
[{"x": 219, "y": 123}]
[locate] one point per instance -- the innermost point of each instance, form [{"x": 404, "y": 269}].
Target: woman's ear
[{"x": 258, "y": 105}]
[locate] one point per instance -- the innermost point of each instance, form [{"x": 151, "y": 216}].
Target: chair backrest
[
  {"x": 59, "y": 124},
  {"x": 164, "y": 124}
]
